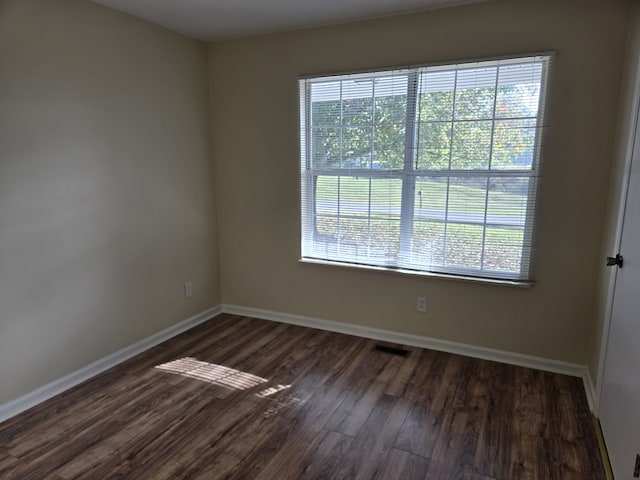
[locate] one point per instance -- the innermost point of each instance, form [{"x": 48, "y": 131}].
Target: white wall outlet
[
  {"x": 188, "y": 290},
  {"x": 422, "y": 304}
]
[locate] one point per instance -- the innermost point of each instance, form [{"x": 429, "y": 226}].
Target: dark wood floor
[{"x": 250, "y": 399}]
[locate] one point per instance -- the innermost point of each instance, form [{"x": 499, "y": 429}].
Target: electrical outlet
[
  {"x": 422, "y": 304},
  {"x": 188, "y": 290}
]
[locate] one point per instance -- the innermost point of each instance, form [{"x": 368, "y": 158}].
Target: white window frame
[{"x": 408, "y": 175}]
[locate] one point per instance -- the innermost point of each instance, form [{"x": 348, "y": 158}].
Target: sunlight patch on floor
[
  {"x": 212, "y": 373},
  {"x": 271, "y": 391}
]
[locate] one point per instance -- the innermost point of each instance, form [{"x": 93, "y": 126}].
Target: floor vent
[{"x": 393, "y": 351}]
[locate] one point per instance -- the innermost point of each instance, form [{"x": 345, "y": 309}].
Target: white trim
[
  {"x": 420, "y": 273},
  {"x": 512, "y": 358},
  {"x": 632, "y": 138},
  {"x": 590, "y": 390},
  {"x": 58, "y": 386}
]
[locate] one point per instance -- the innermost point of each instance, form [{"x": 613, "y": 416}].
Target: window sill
[{"x": 401, "y": 271}]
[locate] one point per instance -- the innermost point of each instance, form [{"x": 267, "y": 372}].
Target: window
[{"x": 430, "y": 169}]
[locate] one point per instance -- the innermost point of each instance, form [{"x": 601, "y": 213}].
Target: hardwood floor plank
[
  {"x": 149, "y": 422},
  {"x": 529, "y": 458},
  {"x": 85, "y": 462},
  {"x": 407, "y": 370},
  {"x": 372, "y": 444},
  {"x": 315, "y": 459},
  {"x": 493, "y": 451},
  {"x": 93, "y": 390},
  {"x": 75, "y": 419},
  {"x": 47, "y": 459},
  {"x": 280, "y": 359},
  {"x": 467, "y": 386},
  {"x": 248, "y": 447},
  {"x": 477, "y": 476},
  {"x": 454, "y": 450},
  {"x": 157, "y": 446},
  {"x": 432, "y": 396},
  {"x": 320, "y": 463},
  {"x": 186, "y": 442},
  {"x": 286, "y": 461},
  {"x": 313, "y": 416},
  {"x": 570, "y": 432},
  {"x": 400, "y": 465},
  {"x": 309, "y": 377},
  {"x": 366, "y": 385},
  {"x": 8, "y": 464},
  {"x": 212, "y": 332},
  {"x": 246, "y": 343},
  {"x": 354, "y": 409},
  {"x": 243, "y": 398},
  {"x": 229, "y": 352},
  {"x": 564, "y": 406},
  {"x": 530, "y": 406},
  {"x": 424, "y": 383},
  {"x": 355, "y": 355}
]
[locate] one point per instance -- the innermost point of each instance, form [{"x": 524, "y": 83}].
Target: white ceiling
[{"x": 222, "y": 19}]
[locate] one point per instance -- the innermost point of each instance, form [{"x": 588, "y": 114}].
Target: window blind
[{"x": 428, "y": 169}]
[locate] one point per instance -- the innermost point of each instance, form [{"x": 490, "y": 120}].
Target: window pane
[
  {"x": 326, "y": 114},
  {"x": 427, "y": 249},
  {"x": 513, "y": 144},
  {"x": 390, "y": 109},
  {"x": 430, "y": 204},
  {"x": 326, "y": 226},
  {"x": 507, "y": 208},
  {"x": 434, "y": 145},
  {"x": 358, "y": 216},
  {"x": 503, "y": 249},
  {"x": 385, "y": 240},
  {"x": 326, "y": 209},
  {"x": 507, "y": 202},
  {"x": 518, "y": 91},
  {"x": 388, "y": 146},
  {"x": 475, "y": 93},
  {"x": 471, "y": 145},
  {"x": 325, "y": 147},
  {"x": 386, "y": 197},
  {"x": 436, "y": 95},
  {"x": 356, "y": 147},
  {"x": 463, "y": 246},
  {"x": 357, "y": 111},
  {"x": 354, "y": 196},
  {"x": 430, "y": 201},
  {"x": 325, "y": 103},
  {"x": 466, "y": 208},
  {"x": 467, "y": 199},
  {"x": 327, "y": 195}
]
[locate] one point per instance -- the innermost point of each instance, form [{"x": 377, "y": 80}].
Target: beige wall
[
  {"x": 106, "y": 186},
  {"x": 623, "y": 134},
  {"x": 255, "y": 129}
]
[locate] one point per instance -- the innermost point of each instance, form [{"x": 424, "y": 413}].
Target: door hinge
[{"x": 617, "y": 260}]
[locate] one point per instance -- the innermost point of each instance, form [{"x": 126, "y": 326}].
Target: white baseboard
[
  {"x": 590, "y": 390},
  {"x": 45, "y": 392},
  {"x": 539, "y": 363}
]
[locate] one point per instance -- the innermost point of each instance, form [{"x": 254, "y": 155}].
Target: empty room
[{"x": 260, "y": 239}]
